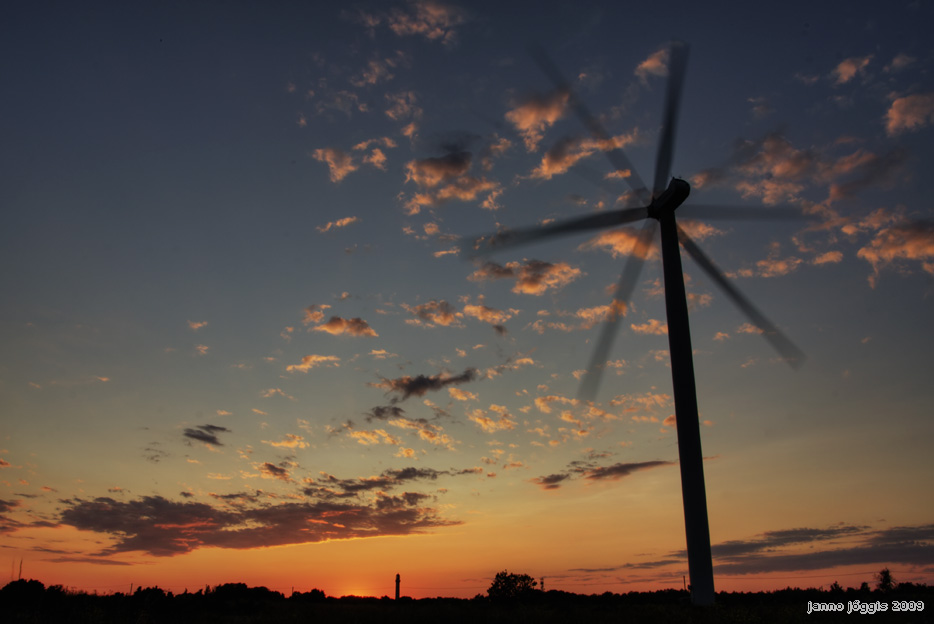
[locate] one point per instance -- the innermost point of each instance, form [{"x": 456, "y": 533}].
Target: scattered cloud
[
  {"x": 568, "y": 151},
  {"x": 593, "y": 472},
  {"x": 535, "y": 113},
  {"x": 340, "y": 164},
  {"x": 534, "y": 277},
  {"x": 340, "y": 223},
  {"x": 314, "y": 313},
  {"x": 896, "y": 245},
  {"x": 290, "y": 440},
  {"x": 434, "y": 313},
  {"x": 655, "y": 65},
  {"x": 196, "y": 325},
  {"x": 432, "y": 19},
  {"x": 313, "y": 361},
  {"x": 419, "y": 385},
  {"x": 652, "y": 326},
  {"x": 206, "y": 434},
  {"x": 849, "y": 68},
  {"x": 501, "y": 421},
  {"x": 352, "y": 327},
  {"x": 909, "y": 113}
]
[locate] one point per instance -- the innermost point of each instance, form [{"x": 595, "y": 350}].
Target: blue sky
[{"x": 232, "y": 288}]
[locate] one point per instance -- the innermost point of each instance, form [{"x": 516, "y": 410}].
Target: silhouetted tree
[
  {"x": 884, "y": 581},
  {"x": 506, "y": 585},
  {"x": 835, "y": 588}
]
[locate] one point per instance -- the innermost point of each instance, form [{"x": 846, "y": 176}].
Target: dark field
[{"x": 30, "y": 601}]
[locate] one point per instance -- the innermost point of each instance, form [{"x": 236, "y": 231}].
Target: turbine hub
[{"x": 672, "y": 197}]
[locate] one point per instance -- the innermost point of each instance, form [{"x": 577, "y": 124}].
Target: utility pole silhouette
[{"x": 398, "y": 580}]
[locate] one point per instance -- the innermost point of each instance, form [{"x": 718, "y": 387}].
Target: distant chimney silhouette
[{"x": 398, "y": 580}]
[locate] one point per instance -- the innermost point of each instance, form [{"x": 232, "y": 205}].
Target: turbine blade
[
  {"x": 616, "y": 156},
  {"x": 677, "y": 63},
  {"x": 482, "y": 245},
  {"x": 779, "y": 341},
  {"x": 627, "y": 283},
  {"x": 765, "y": 213}
]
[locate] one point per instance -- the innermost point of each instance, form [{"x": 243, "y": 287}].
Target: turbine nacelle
[{"x": 672, "y": 197}]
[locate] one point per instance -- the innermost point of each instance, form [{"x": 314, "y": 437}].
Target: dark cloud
[
  {"x": 160, "y": 527},
  {"x": 863, "y": 554},
  {"x": 552, "y": 481},
  {"x": 455, "y": 141},
  {"x": 334, "y": 509},
  {"x": 419, "y": 385},
  {"x": 274, "y": 472},
  {"x": 771, "y": 540},
  {"x": 871, "y": 171},
  {"x": 330, "y": 487},
  {"x": 590, "y": 470},
  {"x": 385, "y": 412},
  {"x": 618, "y": 471},
  {"x": 154, "y": 454},
  {"x": 91, "y": 560},
  {"x": 206, "y": 434},
  {"x": 799, "y": 549}
]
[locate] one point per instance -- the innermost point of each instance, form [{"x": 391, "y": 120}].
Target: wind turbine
[{"x": 659, "y": 210}]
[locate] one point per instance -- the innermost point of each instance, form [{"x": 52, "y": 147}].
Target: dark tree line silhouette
[{"x": 511, "y": 597}]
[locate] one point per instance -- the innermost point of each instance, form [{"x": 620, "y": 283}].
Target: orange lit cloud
[
  {"x": 314, "y": 313},
  {"x": 899, "y": 243},
  {"x": 830, "y": 257},
  {"x": 340, "y": 164},
  {"x": 337, "y": 224},
  {"x": 535, "y": 114},
  {"x": 375, "y": 436},
  {"x": 434, "y": 313},
  {"x": 461, "y": 395},
  {"x": 290, "y": 441},
  {"x": 491, "y": 425},
  {"x": 313, "y": 361},
  {"x": 488, "y": 314},
  {"x": 444, "y": 178},
  {"x": 909, "y": 113},
  {"x": 775, "y": 171},
  {"x": 534, "y": 277},
  {"x": 430, "y": 172},
  {"x": 196, "y": 325},
  {"x": 402, "y": 105},
  {"x": 543, "y": 403},
  {"x": 655, "y": 65},
  {"x": 620, "y": 242},
  {"x": 432, "y": 19},
  {"x": 353, "y": 327},
  {"x": 568, "y": 151},
  {"x": 849, "y": 68},
  {"x": 653, "y": 326}
]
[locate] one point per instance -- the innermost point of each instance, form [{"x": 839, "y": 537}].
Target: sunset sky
[{"x": 240, "y": 342}]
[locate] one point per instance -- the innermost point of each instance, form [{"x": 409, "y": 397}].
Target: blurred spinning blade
[
  {"x": 616, "y": 156},
  {"x": 677, "y": 63},
  {"x": 779, "y": 341},
  {"x": 483, "y": 245},
  {"x": 618, "y": 307}
]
